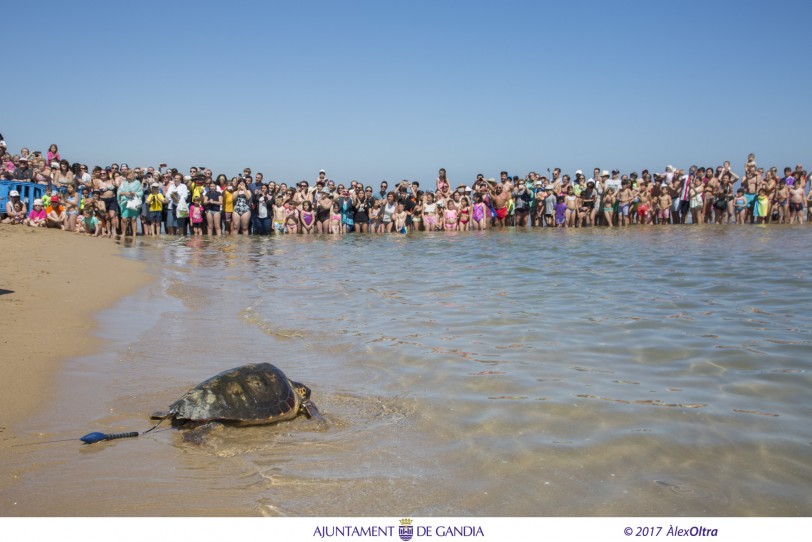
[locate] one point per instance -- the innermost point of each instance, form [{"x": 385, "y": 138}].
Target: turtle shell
[{"x": 251, "y": 394}]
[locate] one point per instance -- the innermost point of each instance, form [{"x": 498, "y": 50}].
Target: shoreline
[{"x": 52, "y": 287}]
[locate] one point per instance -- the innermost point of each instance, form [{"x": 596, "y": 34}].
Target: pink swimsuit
[{"x": 450, "y": 219}]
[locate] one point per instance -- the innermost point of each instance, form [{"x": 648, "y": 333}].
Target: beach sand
[{"x": 51, "y": 285}]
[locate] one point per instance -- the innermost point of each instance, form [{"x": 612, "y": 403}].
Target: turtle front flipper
[
  {"x": 313, "y": 413},
  {"x": 160, "y": 415}
]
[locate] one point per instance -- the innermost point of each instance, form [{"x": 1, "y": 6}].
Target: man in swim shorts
[{"x": 500, "y": 199}]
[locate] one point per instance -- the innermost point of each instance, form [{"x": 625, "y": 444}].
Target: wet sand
[{"x": 51, "y": 285}]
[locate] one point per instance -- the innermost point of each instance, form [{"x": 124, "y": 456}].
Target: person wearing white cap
[
  {"x": 24, "y": 172},
  {"x": 36, "y": 218},
  {"x": 155, "y": 205},
  {"x": 15, "y": 209}
]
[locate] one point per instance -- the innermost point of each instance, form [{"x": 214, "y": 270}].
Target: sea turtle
[{"x": 254, "y": 394}]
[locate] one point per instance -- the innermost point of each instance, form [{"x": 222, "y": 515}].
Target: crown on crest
[{"x": 405, "y": 521}]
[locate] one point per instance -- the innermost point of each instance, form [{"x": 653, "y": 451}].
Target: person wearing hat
[
  {"x": 24, "y": 172},
  {"x": 15, "y": 209},
  {"x": 55, "y": 215},
  {"x": 155, "y": 206},
  {"x": 36, "y": 218}
]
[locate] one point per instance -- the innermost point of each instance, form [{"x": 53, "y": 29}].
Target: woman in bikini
[
  {"x": 711, "y": 186},
  {"x": 71, "y": 207},
  {"x": 108, "y": 187},
  {"x": 63, "y": 176},
  {"x": 571, "y": 214}
]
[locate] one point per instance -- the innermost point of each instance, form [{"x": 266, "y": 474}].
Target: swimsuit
[
  {"x": 450, "y": 219},
  {"x": 307, "y": 218},
  {"x": 322, "y": 214},
  {"x": 241, "y": 205},
  {"x": 430, "y": 216},
  {"x": 479, "y": 213}
]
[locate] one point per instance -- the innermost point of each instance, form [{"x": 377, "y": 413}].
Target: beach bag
[
  {"x": 182, "y": 208},
  {"x": 720, "y": 203},
  {"x": 134, "y": 204}
]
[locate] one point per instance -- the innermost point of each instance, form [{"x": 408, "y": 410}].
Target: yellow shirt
[
  {"x": 228, "y": 201},
  {"x": 156, "y": 201}
]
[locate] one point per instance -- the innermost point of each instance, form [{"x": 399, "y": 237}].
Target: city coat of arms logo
[{"x": 405, "y": 531}]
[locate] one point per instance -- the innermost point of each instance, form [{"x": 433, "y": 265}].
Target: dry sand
[{"x": 51, "y": 285}]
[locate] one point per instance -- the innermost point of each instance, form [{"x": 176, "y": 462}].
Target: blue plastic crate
[{"x": 28, "y": 193}]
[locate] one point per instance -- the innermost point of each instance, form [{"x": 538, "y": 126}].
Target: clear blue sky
[{"x": 374, "y": 90}]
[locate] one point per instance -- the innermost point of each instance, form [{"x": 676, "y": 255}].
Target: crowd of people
[{"x": 115, "y": 200}]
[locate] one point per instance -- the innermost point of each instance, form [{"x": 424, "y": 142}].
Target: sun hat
[
  {"x": 14, "y": 193},
  {"x": 154, "y": 185},
  {"x": 604, "y": 173},
  {"x": 54, "y": 198},
  {"x": 23, "y": 159},
  {"x": 37, "y": 202}
]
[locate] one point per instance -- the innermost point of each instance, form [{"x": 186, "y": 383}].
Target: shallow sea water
[{"x": 652, "y": 371}]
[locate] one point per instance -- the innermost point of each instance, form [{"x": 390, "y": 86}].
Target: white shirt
[{"x": 182, "y": 191}]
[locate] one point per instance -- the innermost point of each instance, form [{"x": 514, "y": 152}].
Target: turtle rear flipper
[
  {"x": 196, "y": 435},
  {"x": 160, "y": 415}
]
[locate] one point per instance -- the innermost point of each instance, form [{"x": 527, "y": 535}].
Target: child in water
[
  {"x": 335, "y": 219},
  {"x": 307, "y": 217},
  {"x": 450, "y": 216},
  {"x": 560, "y": 212},
  {"x": 196, "y": 216},
  {"x": 465, "y": 213},
  {"x": 400, "y": 219},
  {"x": 375, "y": 223},
  {"x": 740, "y": 206}
]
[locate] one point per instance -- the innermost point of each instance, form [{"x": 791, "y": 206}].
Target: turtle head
[{"x": 301, "y": 389}]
